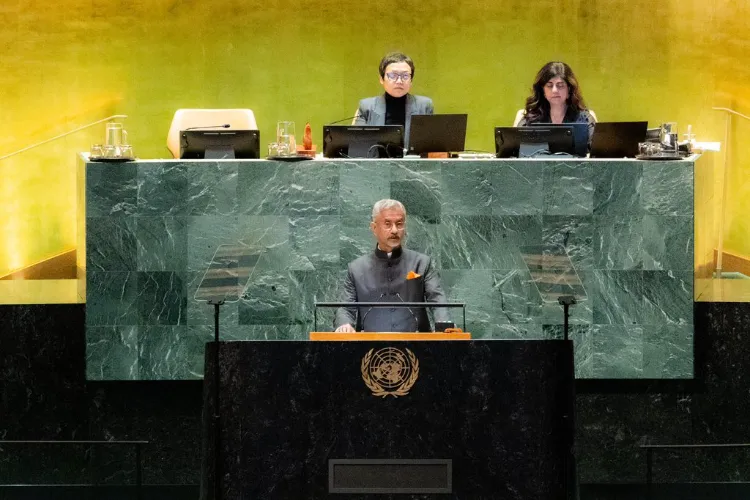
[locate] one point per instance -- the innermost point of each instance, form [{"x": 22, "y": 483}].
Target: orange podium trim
[{"x": 389, "y": 336}]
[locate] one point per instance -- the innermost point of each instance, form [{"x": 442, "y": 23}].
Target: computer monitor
[
  {"x": 437, "y": 133},
  {"x": 219, "y": 145},
  {"x": 526, "y": 142},
  {"x": 365, "y": 141},
  {"x": 617, "y": 139}
]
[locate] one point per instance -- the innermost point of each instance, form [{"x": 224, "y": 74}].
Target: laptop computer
[
  {"x": 617, "y": 139},
  {"x": 437, "y": 133}
]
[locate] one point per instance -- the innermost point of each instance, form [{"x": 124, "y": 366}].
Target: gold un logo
[{"x": 390, "y": 371}]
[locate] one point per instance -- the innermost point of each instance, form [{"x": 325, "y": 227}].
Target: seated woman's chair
[
  {"x": 242, "y": 119},
  {"x": 522, "y": 112}
]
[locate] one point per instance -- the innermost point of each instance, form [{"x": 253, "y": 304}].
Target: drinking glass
[
  {"x": 126, "y": 151},
  {"x": 668, "y": 136},
  {"x": 110, "y": 152},
  {"x": 285, "y": 138},
  {"x": 649, "y": 148},
  {"x": 96, "y": 151},
  {"x": 114, "y": 134}
]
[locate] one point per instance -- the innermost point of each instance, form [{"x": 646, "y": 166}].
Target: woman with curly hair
[{"x": 555, "y": 98}]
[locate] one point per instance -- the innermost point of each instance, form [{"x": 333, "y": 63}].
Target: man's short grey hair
[{"x": 385, "y": 205}]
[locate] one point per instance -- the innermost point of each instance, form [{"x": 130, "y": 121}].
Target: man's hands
[{"x": 347, "y": 328}]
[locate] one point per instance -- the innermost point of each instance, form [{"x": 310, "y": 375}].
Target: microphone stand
[
  {"x": 570, "y": 469},
  {"x": 416, "y": 321},
  {"x": 217, "y": 412},
  {"x": 204, "y": 127},
  {"x": 367, "y": 312},
  {"x": 343, "y": 120}
]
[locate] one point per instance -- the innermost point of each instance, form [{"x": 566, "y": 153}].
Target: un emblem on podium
[{"x": 390, "y": 371}]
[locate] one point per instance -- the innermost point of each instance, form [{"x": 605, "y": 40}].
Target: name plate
[{"x": 387, "y": 476}]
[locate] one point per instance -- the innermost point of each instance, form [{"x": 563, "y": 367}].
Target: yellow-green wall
[{"x": 69, "y": 62}]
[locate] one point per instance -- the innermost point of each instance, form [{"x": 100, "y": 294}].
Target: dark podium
[{"x": 391, "y": 419}]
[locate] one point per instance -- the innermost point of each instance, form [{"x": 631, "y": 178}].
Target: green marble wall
[{"x": 626, "y": 226}]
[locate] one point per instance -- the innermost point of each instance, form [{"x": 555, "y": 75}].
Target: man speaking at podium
[{"x": 390, "y": 274}]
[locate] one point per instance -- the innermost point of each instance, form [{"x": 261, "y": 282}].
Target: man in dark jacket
[{"x": 390, "y": 274}]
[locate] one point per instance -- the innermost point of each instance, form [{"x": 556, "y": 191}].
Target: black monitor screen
[
  {"x": 581, "y": 137},
  {"x": 540, "y": 140},
  {"x": 345, "y": 141},
  {"x": 218, "y": 145},
  {"x": 437, "y": 133}
]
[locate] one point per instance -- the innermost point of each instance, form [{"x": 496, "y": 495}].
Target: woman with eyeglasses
[
  {"x": 555, "y": 98},
  {"x": 396, "y": 105}
]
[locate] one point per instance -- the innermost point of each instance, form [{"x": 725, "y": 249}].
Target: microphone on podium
[
  {"x": 416, "y": 321},
  {"x": 370, "y": 309},
  {"x": 226, "y": 125},
  {"x": 342, "y": 120}
]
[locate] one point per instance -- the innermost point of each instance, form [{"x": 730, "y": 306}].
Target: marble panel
[
  {"x": 466, "y": 188},
  {"x": 668, "y": 188},
  {"x": 517, "y": 188},
  {"x": 111, "y": 298},
  {"x": 111, "y": 243},
  {"x": 112, "y": 353},
  {"x": 514, "y": 236},
  {"x": 617, "y": 351},
  {"x": 416, "y": 184},
  {"x": 470, "y": 287},
  {"x": 574, "y": 234},
  {"x": 161, "y": 243},
  {"x": 163, "y": 189},
  {"x": 568, "y": 188},
  {"x": 111, "y": 192},
  {"x": 618, "y": 243},
  {"x": 360, "y": 186},
  {"x": 616, "y": 297},
  {"x": 162, "y": 298},
  {"x": 172, "y": 352},
  {"x": 668, "y": 297},
  {"x": 266, "y": 299},
  {"x": 314, "y": 189},
  {"x": 212, "y": 188},
  {"x": 315, "y": 239},
  {"x": 466, "y": 242},
  {"x": 618, "y": 188},
  {"x": 308, "y": 287},
  {"x": 668, "y": 242},
  {"x": 668, "y": 351},
  {"x": 263, "y": 189}
]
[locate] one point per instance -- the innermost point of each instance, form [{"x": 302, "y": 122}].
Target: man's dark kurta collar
[{"x": 395, "y": 254}]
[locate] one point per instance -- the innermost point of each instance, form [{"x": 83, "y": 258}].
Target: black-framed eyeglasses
[{"x": 404, "y": 77}]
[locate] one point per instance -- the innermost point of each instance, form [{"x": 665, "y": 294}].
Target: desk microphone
[
  {"x": 343, "y": 120},
  {"x": 370, "y": 309},
  {"x": 226, "y": 125},
  {"x": 412, "y": 312}
]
